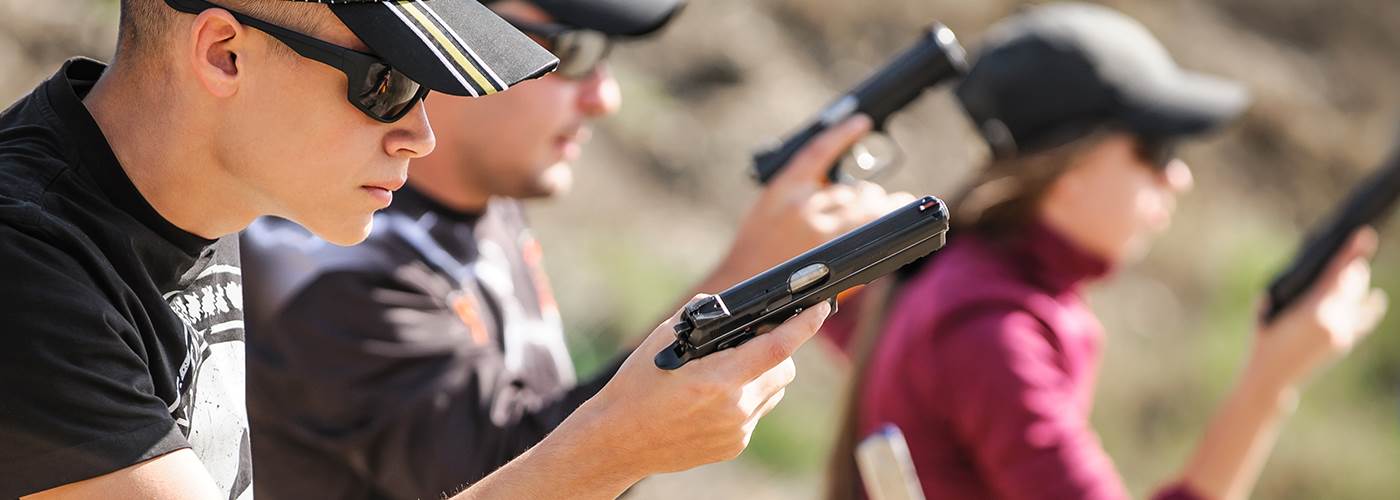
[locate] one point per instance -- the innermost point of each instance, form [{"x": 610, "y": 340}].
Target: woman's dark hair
[{"x": 997, "y": 203}]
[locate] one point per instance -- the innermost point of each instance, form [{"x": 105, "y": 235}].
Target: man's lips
[
  {"x": 581, "y": 135},
  {"x": 388, "y": 185},
  {"x": 576, "y": 135},
  {"x": 383, "y": 191}
]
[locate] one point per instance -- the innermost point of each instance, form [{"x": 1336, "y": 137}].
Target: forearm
[
  {"x": 1237, "y": 442},
  {"x": 576, "y": 461}
]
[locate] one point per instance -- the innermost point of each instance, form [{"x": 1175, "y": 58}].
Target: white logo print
[{"x": 210, "y": 405}]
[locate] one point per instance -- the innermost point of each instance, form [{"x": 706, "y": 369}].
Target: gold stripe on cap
[{"x": 463, "y": 61}]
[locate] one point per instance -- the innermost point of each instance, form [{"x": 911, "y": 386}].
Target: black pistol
[
  {"x": 935, "y": 58},
  {"x": 718, "y": 322},
  {"x": 1367, "y": 205}
]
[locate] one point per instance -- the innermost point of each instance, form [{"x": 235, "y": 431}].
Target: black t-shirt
[
  {"x": 121, "y": 334},
  {"x": 405, "y": 366}
]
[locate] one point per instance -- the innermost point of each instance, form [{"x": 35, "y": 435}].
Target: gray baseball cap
[{"x": 1053, "y": 73}]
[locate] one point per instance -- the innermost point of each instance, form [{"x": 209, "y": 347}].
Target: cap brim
[
  {"x": 1190, "y": 104},
  {"x": 456, "y": 47},
  {"x": 614, "y": 17}
]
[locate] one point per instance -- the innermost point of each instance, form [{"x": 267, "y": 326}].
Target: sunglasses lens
[
  {"x": 388, "y": 94},
  {"x": 580, "y": 52}
]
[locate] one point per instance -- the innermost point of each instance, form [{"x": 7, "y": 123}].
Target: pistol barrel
[
  {"x": 936, "y": 57},
  {"x": 750, "y": 308}
]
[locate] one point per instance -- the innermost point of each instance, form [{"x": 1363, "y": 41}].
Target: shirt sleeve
[
  {"x": 1010, "y": 400},
  {"x": 441, "y": 411},
  {"x": 77, "y": 399}
]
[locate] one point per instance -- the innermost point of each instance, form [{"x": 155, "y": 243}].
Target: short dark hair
[{"x": 145, "y": 22}]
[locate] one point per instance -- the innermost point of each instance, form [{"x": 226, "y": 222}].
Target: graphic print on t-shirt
[
  {"x": 534, "y": 335},
  {"x": 211, "y": 376}
]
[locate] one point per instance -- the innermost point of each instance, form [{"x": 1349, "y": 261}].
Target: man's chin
[
  {"x": 555, "y": 181},
  {"x": 345, "y": 232}
]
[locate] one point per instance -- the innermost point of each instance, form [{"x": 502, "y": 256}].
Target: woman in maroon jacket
[{"x": 988, "y": 354}]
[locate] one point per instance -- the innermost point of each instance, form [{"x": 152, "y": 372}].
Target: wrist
[
  {"x": 1268, "y": 387},
  {"x": 598, "y": 459}
]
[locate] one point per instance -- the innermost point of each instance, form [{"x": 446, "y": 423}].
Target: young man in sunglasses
[
  {"x": 122, "y": 372},
  {"x": 433, "y": 353}
]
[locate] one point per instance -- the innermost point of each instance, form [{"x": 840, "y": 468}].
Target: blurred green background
[{"x": 663, "y": 184}]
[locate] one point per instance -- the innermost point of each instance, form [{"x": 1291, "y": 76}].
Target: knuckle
[
  {"x": 737, "y": 451},
  {"x": 729, "y": 404},
  {"x": 787, "y": 372},
  {"x": 810, "y": 324},
  {"x": 773, "y": 401},
  {"x": 738, "y": 441},
  {"x": 777, "y": 351},
  {"x": 735, "y": 413}
]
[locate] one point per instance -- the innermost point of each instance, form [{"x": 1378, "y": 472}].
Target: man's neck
[{"x": 167, "y": 155}]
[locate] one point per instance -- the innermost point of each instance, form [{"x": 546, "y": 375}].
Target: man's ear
[{"x": 216, "y": 39}]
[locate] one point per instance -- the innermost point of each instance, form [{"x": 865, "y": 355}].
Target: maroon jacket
[{"x": 987, "y": 364}]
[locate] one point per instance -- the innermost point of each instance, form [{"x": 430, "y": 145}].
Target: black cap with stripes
[{"x": 456, "y": 47}]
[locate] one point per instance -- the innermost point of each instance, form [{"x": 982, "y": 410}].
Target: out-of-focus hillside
[{"x": 663, "y": 183}]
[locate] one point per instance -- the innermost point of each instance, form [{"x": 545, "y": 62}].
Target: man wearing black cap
[
  {"x": 122, "y": 372},
  {"x": 433, "y": 353}
]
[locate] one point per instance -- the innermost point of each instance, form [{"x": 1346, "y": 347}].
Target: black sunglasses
[
  {"x": 373, "y": 86},
  {"x": 1157, "y": 152},
  {"x": 580, "y": 51}
]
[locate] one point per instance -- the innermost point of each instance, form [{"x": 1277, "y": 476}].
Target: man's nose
[
  {"x": 599, "y": 93},
  {"x": 1178, "y": 176},
  {"x": 412, "y": 136}
]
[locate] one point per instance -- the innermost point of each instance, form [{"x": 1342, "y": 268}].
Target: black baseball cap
[
  {"x": 456, "y": 47},
  {"x": 1053, "y": 73},
  {"x": 627, "y": 18}
]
